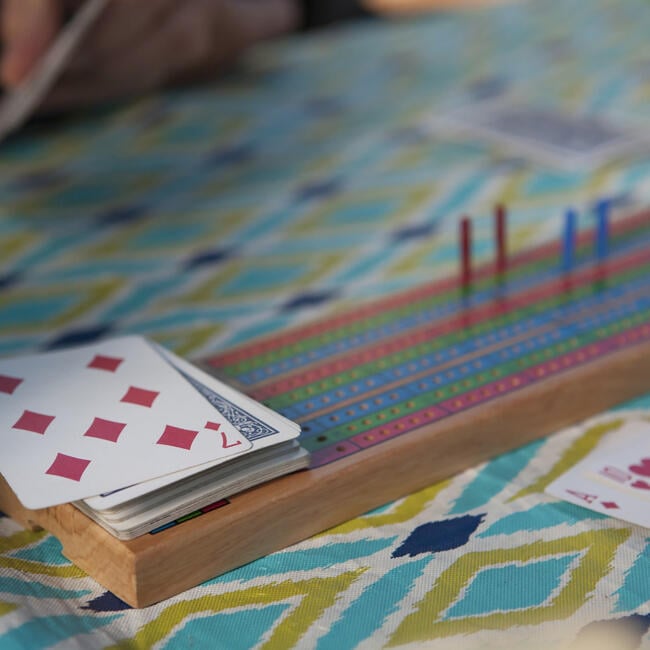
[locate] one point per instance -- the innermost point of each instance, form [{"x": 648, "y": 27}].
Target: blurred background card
[{"x": 568, "y": 141}]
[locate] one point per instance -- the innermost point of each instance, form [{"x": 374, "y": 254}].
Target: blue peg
[{"x": 569, "y": 239}]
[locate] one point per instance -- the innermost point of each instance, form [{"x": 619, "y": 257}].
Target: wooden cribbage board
[{"x": 397, "y": 394}]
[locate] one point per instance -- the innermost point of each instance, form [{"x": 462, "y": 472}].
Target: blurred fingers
[
  {"x": 139, "y": 47},
  {"x": 28, "y": 29}
]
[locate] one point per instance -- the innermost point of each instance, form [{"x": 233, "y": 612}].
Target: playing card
[
  {"x": 614, "y": 479},
  {"x": 583, "y": 490},
  {"x": 567, "y": 140},
  {"x": 261, "y": 426},
  {"x": 83, "y": 421},
  {"x": 18, "y": 106},
  {"x": 626, "y": 468}
]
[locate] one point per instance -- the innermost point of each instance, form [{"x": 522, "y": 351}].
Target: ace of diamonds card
[{"x": 614, "y": 479}]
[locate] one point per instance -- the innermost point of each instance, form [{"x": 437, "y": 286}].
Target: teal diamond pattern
[{"x": 511, "y": 587}]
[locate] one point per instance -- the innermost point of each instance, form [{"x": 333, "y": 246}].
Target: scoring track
[{"x": 357, "y": 379}]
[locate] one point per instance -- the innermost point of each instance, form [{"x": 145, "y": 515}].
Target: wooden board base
[{"x": 274, "y": 516}]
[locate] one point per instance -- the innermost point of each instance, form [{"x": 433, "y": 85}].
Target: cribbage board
[{"x": 397, "y": 394}]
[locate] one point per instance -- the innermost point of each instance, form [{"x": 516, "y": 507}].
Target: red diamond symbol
[
  {"x": 9, "y": 384},
  {"x": 177, "y": 437},
  {"x": 140, "y": 396},
  {"x": 610, "y": 504},
  {"x": 101, "y": 362},
  {"x": 35, "y": 422},
  {"x": 68, "y": 467},
  {"x": 105, "y": 429}
]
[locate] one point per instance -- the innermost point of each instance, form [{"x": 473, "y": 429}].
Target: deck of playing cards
[
  {"x": 614, "y": 478},
  {"x": 133, "y": 435}
]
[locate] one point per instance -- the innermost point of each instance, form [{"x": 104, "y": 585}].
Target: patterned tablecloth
[{"x": 299, "y": 185}]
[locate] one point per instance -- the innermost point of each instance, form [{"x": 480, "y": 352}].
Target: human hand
[{"x": 136, "y": 47}]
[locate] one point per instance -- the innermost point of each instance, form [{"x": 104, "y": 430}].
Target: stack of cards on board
[
  {"x": 133, "y": 435},
  {"x": 614, "y": 478}
]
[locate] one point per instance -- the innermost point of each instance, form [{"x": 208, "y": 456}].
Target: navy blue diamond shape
[
  {"x": 124, "y": 214},
  {"x": 439, "y": 536},
  {"x": 309, "y": 299},
  {"x": 318, "y": 189},
  {"x": 79, "y": 337},
  {"x": 418, "y": 231},
  {"x": 208, "y": 258},
  {"x": 107, "y": 602},
  {"x": 10, "y": 279}
]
